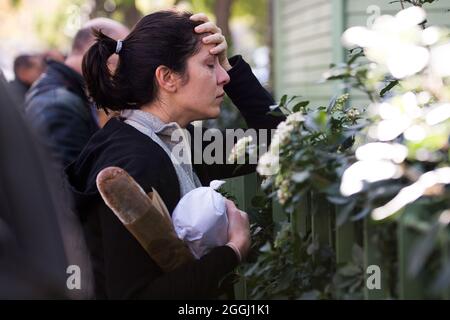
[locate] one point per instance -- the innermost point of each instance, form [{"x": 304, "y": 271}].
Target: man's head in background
[
  {"x": 84, "y": 39},
  {"x": 54, "y": 54},
  {"x": 27, "y": 68}
]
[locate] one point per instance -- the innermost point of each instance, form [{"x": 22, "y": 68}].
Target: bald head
[{"x": 84, "y": 37}]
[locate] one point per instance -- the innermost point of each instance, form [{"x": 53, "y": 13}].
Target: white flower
[
  {"x": 367, "y": 170},
  {"x": 398, "y": 114},
  {"x": 388, "y": 130},
  {"x": 282, "y": 134},
  {"x": 382, "y": 151},
  {"x": 268, "y": 164},
  {"x": 240, "y": 148},
  {"x": 411, "y": 16},
  {"x": 431, "y": 35},
  {"x": 295, "y": 118},
  {"x": 283, "y": 193},
  {"x": 415, "y": 133},
  {"x": 413, "y": 192},
  {"x": 393, "y": 42},
  {"x": 406, "y": 60},
  {"x": 353, "y": 113},
  {"x": 440, "y": 60},
  {"x": 283, "y": 196},
  {"x": 438, "y": 113}
]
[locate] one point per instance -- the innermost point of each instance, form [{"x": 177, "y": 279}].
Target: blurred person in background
[
  {"x": 57, "y": 105},
  {"x": 53, "y": 54},
  {"x": 40, "y": 237},
  {"x": 27, "y": 69}
]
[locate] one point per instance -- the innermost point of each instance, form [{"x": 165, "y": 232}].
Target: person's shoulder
[
  {"x": 54, "y": 101},
  {"x": 54, "y": 96},
  {"x": 119, "y": 145},
  {"x": 123, "y": 145}
]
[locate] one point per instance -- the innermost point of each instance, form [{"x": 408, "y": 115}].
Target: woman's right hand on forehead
[{"x": 216, "y": 38}]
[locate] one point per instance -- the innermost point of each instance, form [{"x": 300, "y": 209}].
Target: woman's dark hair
[{"x": 161, "y": 38}]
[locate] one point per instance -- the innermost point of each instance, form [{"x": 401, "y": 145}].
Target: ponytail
[{"x": 101, "y": 84}]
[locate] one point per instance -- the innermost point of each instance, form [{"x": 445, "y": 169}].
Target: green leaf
[
  {"x": 275, "y": 113},
  {"x": 310, "y": 295},
  {"x": 422, "y": 250},
  {"x": 332, "y": 103},
  {"x": 442, "y": 281},
  {"x": 283, "y": 101},
  {"x": 266, "y": 248},
  {"x": 388, "y": 87},
  {"x": 349, "y": 270},
  {"x": 343, "y": 212},
  {"x": 357, "y": 255},
  {"x": 319, "y": 181},
  {"x": 337, "y": 200},
  {"x": 344, "y": 284},
  {"x": 361, "y": 214},
  {"x": 357, "y": 285},
  {"x": 299, "y": 106},
  {"x": 337, "y": 77},
  {"x": 259, "y": 201},
  {"x": 313, "y": 247},
  {"x": 291, "y": 99},
  {"x": 300, "y": 177},
  {"x": 356, "y": 56}
]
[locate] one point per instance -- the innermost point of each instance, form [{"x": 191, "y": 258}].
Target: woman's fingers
[
  {"x": 200, "y": 17},
  {"x": 214, "y": 38},
  {"x": 207, "y": 27},
  {"x": 220, "y": 48}
]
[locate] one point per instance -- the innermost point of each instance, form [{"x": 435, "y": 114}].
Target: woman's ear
[{"x": 167, "y": 79}]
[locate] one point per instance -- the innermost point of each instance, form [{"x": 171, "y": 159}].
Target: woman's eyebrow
[{"x": 208, "y": 57}]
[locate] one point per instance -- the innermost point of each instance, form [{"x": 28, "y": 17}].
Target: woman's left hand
[{"x": 215, "y": 38}]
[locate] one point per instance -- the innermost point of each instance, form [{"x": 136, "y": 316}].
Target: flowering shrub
[
  {"x": 389, "y": 160},
  {"x": 406, "y": 145},
  {"x": 307, "y": 149},
  {"x": 306, "y": 154}
]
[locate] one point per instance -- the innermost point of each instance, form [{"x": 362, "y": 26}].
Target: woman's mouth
[{"x": 220, "y": 96}]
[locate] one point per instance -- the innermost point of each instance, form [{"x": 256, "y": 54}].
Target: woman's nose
[{"x": 222, "y": 76}]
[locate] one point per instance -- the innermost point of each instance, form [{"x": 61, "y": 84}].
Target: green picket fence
[{"x": 317, "y": 216}]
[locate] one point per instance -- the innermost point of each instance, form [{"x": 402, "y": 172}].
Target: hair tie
[{"x": 118, "y": 46}]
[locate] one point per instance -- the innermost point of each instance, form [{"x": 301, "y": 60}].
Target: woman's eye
[{"x": 211, "y": 66}]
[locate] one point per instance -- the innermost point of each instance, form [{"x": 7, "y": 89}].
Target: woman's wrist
[{"x": 236, "y": 250}]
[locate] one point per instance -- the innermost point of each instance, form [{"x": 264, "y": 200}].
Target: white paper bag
[{"x": 200, "y": 219}]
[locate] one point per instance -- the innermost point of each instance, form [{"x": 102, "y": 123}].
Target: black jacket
[
  {"x": 122, "y": 268},
  {"x": 58, "y": 108},
  {"x": 18, "y": 91}
]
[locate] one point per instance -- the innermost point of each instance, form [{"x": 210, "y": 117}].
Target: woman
[{"x": 172, "y": 70}]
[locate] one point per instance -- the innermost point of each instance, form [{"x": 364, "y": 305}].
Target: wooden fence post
[
  {"x": 373, "y": 259},
  {"x": 301, "y": 220},
  {"x": 345, "y": 239},
  {"x": 409, "y": 287},
  {"x": 322, "y": 219},
  {"x": 243, "y": 189},
  {"x": 445, "y": 262}
]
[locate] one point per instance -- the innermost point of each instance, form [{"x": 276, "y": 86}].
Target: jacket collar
[{"x": 58, "y": 74}]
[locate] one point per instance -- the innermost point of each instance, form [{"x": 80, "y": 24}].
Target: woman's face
[{"x": 201, "y": 96}]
